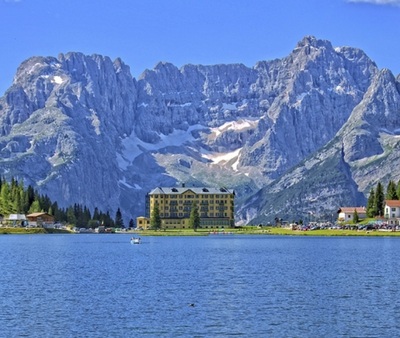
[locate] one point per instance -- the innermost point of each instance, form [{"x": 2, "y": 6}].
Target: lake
[{"x": 215, "y": 286}]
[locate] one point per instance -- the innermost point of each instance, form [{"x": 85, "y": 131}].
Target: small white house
[
  {"x": 346, "y": 214},
  {"x": 392, "y": 211}
]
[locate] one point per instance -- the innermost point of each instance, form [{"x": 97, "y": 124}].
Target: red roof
[
  {"x": 350, "y": 210},
  {"x": 393, "y": 203}
]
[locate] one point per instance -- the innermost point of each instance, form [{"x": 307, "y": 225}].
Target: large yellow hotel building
[{"x": 216, "y": 207}]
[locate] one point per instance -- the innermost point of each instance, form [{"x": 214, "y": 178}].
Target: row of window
[
  {"x": 211, "y": 226},
  {"x": 187, "y": 215},
  {"x": 190, "y": 204},
  {"x": 202, "y": 208},
  {"x": 189, "y": 196}
]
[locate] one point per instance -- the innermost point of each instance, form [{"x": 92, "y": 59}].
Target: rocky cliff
[{"x": 81, "y": 129}]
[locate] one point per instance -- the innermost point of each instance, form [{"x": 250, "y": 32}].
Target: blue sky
[{"x": 145, "y": 32}]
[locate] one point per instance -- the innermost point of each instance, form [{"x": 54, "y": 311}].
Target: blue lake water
[{"x": 240, "y": 286}]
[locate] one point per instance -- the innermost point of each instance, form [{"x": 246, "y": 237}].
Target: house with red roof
[
  {"x": 392, "y": 211},
  {"x": 346, "y": 214}
]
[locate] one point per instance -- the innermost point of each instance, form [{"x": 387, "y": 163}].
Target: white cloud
[{"x": 378, "y": 2}]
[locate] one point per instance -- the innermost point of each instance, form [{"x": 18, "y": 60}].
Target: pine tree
[
  {"x": 355, "y": 217},
  {"x": 86, "y": 215},
  {"x": 35, "y": 207},
  {"x": 194, "y": 221},
  {"x": 110, "y": 221},
  {"x": 398, "y": 189},
  {"x": 25, "y": 201},
  {"x": 131, "y": 223},
  {"x": 53, "y": 209},
  {"x": 5, "y": 205},
  {"x": 391, "y": 193},
  {"x": 96, "y": 214},
  {"x": 45, "y": 203},
  {"x": 371, "y": 210},
  {"x": 18, "y": 203},
  {"x": 379, "y": 200},
  {"x": 71, "y": 219},
  {"x": 31, "y": 195},
  {"x": 155, "y": 219},
  {"x": 119, "y": 222}
]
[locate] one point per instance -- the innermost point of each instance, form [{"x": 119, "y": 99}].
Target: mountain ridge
[{"x": 81, "y": 128}]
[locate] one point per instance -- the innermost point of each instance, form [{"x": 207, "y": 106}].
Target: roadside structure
[
  {"x": 392, "y": 212},
  {"x": 346, "y": 214},
  {"x": 40, "y": 219},
  {"x": 142, "y": 222},
  {"x": 215, "y": 205},
  {"x": 15, "y": 220}
]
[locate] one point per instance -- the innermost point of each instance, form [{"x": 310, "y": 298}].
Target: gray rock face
[
  {"x": 61, "y": 122},
  {"x": 82, "y": 130},
  {"x": 364, "y": 152}
]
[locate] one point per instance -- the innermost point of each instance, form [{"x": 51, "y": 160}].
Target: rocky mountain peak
[
  {"x": 376, "y": 115},
  {"x": 312, "y": 41},
  {"x": 81, "y": 129}
]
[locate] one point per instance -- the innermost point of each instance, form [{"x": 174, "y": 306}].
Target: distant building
[
  {"x": 40, "y": 219},
  {"x": 216, "y": 207},
  {"x": 346, "y": 214},
  {"x": 392, "y": 211},
  {"x": 142, "y": 222},
  {"x": 15, "y": 220}
]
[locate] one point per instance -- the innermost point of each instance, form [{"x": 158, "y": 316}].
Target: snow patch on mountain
[
  {"x": 57, "y": 79},
  {"x": 124, "y": 183},
  {"x": 132, "y": 146},
  {"x": 95, "y": 122},
  {"x": 236, "y": 126},
  {"x": 222, "y": 158}
]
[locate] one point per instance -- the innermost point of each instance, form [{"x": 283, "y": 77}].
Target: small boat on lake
[{"x": 135, "y": 240}]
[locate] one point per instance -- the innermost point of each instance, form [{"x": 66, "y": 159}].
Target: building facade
[
  {"x": 216, "y": 207},
  {"x": 346, "y": 214},
  {"x": 392, "y": 211},
  {"x": 40, "y": 219}
]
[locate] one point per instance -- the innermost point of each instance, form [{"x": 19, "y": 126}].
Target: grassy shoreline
[
  {"x": 265, "y": 231},
  {"x": 31, "y": 231}
]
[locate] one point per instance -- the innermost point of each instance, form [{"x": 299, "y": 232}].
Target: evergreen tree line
[
  {"x": 15, "y": 199},
  {"x": 377, "y": 197}
]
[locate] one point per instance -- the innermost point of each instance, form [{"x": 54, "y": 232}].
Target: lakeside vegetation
[
  {"x": 30, "y": 231},
  {"x": 16, "y": 199},
  {"x": 246, "y": 230},
  {"x": 265, "y": 231}
]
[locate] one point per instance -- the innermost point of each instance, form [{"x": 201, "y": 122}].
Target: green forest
[
  {"x": 16, "y": 199},
  {"x": 377, "y": 197}
]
